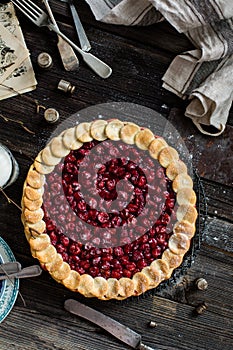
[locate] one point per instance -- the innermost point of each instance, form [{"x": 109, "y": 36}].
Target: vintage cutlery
[
  {"x": 10, "y": 267},
  {"x": 41, "y": 19},
  {"x": 31, "y": 271},
  {"x": 84, "y": 42},
  {"x": 118, "y": 330},
  {"x": 69, "y": 59}
]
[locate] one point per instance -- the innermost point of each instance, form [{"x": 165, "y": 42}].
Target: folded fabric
[
  {"x": 208, "y": 85},
  {"x": 203, "y": 75},
  {"x": 211, "y": 101},
  {"x": 125, "y": 12}
]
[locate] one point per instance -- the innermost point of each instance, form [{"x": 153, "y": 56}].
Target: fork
[{"x": 41, "y": 19}]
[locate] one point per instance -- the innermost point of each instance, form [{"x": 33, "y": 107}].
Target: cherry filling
[
  {"x": 108, "y": 177},
  {"x": 113, "y": 218}
]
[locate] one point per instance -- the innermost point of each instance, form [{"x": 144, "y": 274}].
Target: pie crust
[{"x": 35, "y": 229}]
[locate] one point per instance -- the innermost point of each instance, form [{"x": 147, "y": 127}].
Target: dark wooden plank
[
  {"x": 136, "y": 78},
  {"x": 219, "y": 234},
  {"x": 173, "y": 318},
  {"x": 202, "y": 148},
  {"x": 219, "y": 199},
  {"x": 175, "y": 322}
]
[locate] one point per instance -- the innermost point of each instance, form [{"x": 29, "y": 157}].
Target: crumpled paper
[
  {"x": 16, "y": 71},
  {"x": 205, "y": 75}
]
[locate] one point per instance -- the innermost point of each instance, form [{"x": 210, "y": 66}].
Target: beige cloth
[{"x": 204, "y": 75}]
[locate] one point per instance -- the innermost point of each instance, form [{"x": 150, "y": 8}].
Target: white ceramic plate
[{"x": 8, "y": 289}]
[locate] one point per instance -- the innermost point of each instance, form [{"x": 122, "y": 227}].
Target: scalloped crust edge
[{"x": 150, "y": 276}]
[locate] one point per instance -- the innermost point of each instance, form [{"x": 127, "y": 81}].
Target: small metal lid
[
  {"x": 44, "y": 60},
  {"x": 51, "y": 115}
]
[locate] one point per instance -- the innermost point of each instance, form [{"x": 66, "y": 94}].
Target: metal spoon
[{"x": 84, "y": 42}]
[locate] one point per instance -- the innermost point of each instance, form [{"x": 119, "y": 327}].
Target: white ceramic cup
[{"x": 9, "y": 169}]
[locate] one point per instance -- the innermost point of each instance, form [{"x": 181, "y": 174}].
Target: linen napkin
[
  {"x": 204, "y": 75},
  {"x": 16, "y": 71}
]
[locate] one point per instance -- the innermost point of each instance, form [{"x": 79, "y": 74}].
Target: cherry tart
[{"x": 109, "y": 209}]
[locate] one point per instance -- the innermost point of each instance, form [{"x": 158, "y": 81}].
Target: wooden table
[{"x": 139, "y": 58}]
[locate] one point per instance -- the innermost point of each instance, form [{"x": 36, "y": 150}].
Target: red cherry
[
  {"x": 115, "y": 264},
  {"x": 80, "y": 270},
  {"x": 107, "y": 257},
  {"x": 85, "y": 264},
  {"x": 65, "y": 241},
  {"x": 105, "y": 265},
  {"x": 111, "y": 184},
  {"x": 65, "y": 257},
  {"x": 141, "y": 181},
  {"x": 127, "y": 248},
  {"x": 60, "y": 248},
  {"x": 94, "y": 271},
  {"x": 137, "y": 255},
  {"x": 156, "y": 252},
  {"x": 127, "y": 273},
  {"x": 141, "y": 264},
  {"x": 152, "y": 242},
  {"x": 118, "y": 251},
  {"x": 161, "y": 238},
  {"x": 82, "y": 205},
  {"x": 117, "y": 274},
  {"x": 103, "y": 217},
  {"x": 131, "y": 266},
  {"x": 105, "y": 273},
  {"x": 96, "y": 261},
  {"x": 124, "y": 259},
  {"x": 75, "y": 259}
]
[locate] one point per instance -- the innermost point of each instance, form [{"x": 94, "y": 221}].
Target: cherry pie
[{"x": 119, "y": 232}]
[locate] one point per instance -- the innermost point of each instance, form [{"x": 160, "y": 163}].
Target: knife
[
  {"x": 10, "y": 267},
  {"x": 69, "y": 59},
  {"x": 31, "y": 271},
  {"x": 118, "y": 330}
]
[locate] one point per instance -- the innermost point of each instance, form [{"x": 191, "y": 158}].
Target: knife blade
[
  {"x": 118, "y": 330},
  {"x": 69, "y": 59}
]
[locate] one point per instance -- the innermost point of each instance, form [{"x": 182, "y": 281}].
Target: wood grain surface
[{"x": 139, "y": 58}]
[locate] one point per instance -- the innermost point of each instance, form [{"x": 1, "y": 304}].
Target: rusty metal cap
[
  {"x": 44, "y": 60},
  {"x": 51, "y": 115},
  {"x": 66, "y": 86}
]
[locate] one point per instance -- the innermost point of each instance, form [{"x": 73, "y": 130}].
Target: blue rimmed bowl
[{"x": 8, "y": 288}]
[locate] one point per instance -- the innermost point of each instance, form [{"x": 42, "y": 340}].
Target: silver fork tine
[
  {"x": 31, "y": 10},
  {"x": 26, "y": 9},
  {"x": 33, "y": 6}
]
